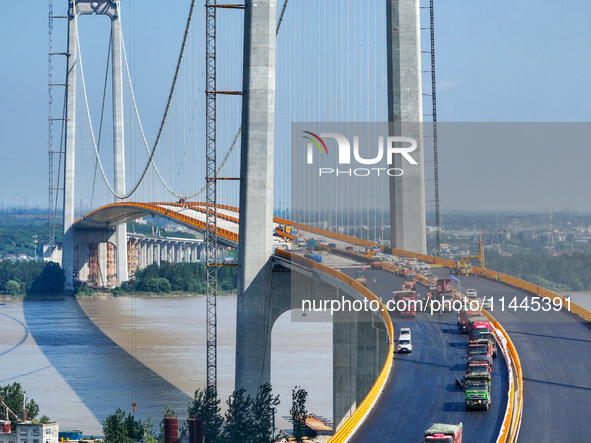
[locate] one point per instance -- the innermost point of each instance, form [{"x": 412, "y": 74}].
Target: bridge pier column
[
  {"x": 359, "y": 350},
  {"x": 149, "y": 252},
  {"x": 367, "y": 355},
  {"x": 179, "y": 253},
  {"x": 344, "y": 361},
  {"x": 255, "y": 293},
  {"x": 143, "y": 255}
]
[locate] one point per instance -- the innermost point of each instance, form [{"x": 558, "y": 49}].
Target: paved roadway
[
  {"x": 555, "y": 353},
  {"x": 421, "y": 388}
]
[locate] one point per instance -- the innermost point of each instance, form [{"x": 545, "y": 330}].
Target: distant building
[{"x": 29, "y": 432}]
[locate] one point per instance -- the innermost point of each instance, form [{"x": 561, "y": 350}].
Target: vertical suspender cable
[{"x": 52, "y": 210}]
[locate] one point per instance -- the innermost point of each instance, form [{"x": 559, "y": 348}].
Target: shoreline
[{"x": 41, "y": 297}]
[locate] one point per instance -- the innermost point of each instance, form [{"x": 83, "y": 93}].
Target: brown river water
[{"x": 148, "y": 351}]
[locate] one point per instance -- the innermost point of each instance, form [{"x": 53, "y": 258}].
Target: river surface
[{"x": 81, "y": 360}]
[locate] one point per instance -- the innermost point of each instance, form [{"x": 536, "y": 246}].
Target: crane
[
  {"x": 464, "y": 267},
  {"x": 7, "y": 410}
]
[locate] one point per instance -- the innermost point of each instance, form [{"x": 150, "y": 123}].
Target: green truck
[{"x": 477, "y": 391}]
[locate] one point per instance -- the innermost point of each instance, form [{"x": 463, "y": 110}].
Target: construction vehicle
[
  {"x": 315, "y": 257},
  {"x": 477, "y": 388},
  {"x": 477, "y": 367},
  {"x": 443, "y": 433},
  {"x": 464, "y": 266},
  {"x": 409, "y": 285},
  {"x": 463, "y": 315},
  {"x": 473, "y": 319},
  {"x": 361, "y": 278},
  {"x": 5, "y": 424},
  {"x": 480, "y": 359},
  {"x": 444, "y": 292},
  {"x": 479, "y": 347},
  {"x": 377, "y": 265},
  {"x": 483, "y": 331},
  {"x": 406, "y": 300}
]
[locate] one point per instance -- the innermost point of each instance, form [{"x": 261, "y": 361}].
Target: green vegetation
[
  {"x": 18, "y": 278},
  {"x": 156, "y": 229},
  {"x": 247, "y": 420},
  {"x": 570, "y": 272},
  {"x": 14, "y": 397},
  {"x": 177, "y": 277},
  {"x": 298, "y": 412},
  {"x": 119, "y": 428}
]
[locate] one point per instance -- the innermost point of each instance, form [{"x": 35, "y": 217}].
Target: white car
[
  {"x": 404, "y": 331},
  {"x": 471, "y": 293},
  {"x": 485, "y": 303},
  {"x": 404, "y": 341}
]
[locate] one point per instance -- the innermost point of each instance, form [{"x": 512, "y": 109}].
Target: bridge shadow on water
[{"x": 102, "y": 374}]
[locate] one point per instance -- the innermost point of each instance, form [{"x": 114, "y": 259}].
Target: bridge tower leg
[
  {"x": 118, "y": 143},
  {"x": 256, "y": 196},
  {"x": 405, "y": 114},
  {"x": 75, "y": 9},
  {"x": 70, "y": 151}
]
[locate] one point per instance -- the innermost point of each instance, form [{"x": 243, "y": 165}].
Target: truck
[
  {"x": 483, "y": 331},
  {"x": 477, "y": 367},
  {"x": 361, "y": 278},
  {"x": 377, "y": 265},
  {"x": 477, "y": 393},
  {"x": 480, "y": 360},
  {"x": 479, "y": 347},
  {"x": 315, "y": 257},
  {"x": 464, "y": 314},
  {"x": 444, "y": 433},
  {"x": 405, "y": 299},
  {"x": 311, "y": 243},
  {"x": 444, "y": 291},
  {"x": 471, "y": 320},
  {"x": 409, "y": 285}
]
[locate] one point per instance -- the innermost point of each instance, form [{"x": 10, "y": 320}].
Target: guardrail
[
  {"x": 352, "y": 424},
  {"x": 535, "y": 289},
  {"x": 514, "y": 411}
]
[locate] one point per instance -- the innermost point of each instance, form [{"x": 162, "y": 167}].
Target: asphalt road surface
[{"x": 421, "y": 388}]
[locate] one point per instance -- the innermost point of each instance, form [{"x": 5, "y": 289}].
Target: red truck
[
  {"x": 443, "y": 433},
  {"x": 462, "y": 315},
  {"x": 444, "y": 292},
  {"x": 405, "y": 303},
  {"x": 409, "y": 285},
  {"x": 482, "y": 330},
  {"x": 473, "y": 319},
  {"x": 480, "y": 347}
]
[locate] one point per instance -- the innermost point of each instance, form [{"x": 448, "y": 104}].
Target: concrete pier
[
  {"x": 256, "y": 197},
  {"x": 405, "y": 115}
]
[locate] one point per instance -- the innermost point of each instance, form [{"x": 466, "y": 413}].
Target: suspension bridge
[{"x": 247, "y": 108}]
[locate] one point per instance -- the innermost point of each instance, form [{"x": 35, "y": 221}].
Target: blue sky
[{"x": 501, "y": 61}]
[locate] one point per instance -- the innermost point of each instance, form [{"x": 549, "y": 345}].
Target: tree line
[
  {"x": 247, "y": 419},
  {"x": 31, "y": 277},
  {"x": 566, "y": 272},
  {"x": 178, "y": 277}
]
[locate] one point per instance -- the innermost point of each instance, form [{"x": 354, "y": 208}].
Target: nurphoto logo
[{"x": 393, "y": 145}]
